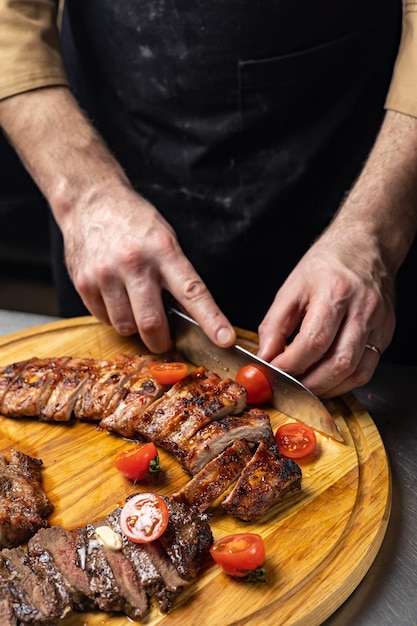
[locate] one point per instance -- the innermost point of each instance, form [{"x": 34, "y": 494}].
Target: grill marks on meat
[
  {"x": 253, "y": 426},
  {"x": 24, "y": 507},
  {"x": 63, "y": 571},
  {"x": 30, "y": 389},
  {"x": 265, "y": 480},
  {"x": 198, "y": 420},
  {"x": 213, "y": 480},
  {"x": 190, "y": 404}
]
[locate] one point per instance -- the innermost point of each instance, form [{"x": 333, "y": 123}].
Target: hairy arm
[
  {"x": 120, "y": 252},
  {"x": 342, "y": 291}
]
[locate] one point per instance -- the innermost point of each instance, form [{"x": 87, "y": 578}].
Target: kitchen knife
[{"x": 289, "y": 395}]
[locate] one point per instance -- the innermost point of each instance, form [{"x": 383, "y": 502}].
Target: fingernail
[{"x": 225, "y": 336}]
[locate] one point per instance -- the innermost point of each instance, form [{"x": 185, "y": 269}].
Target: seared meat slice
[
  {"x": 60, "y": 546},
  {"x": 265, "y": 480},
  {"x": 67, "y": 388},
  {"x": 24, "y": 507},
  {"x": 187, "y": 538},
  {"x": 198, "y": 399},
  {"x": 157, "y": 574},
  {"x": 7, "y": 376},
  {"x": 103, "y": 384},
  {"x": 213, "y": 480},
  {"x": 30, "y": 388},
  {"x": 34, "y": 599},
  {"x": 133, "y": 599},
  {"x": 254, "y": 426},
  {"x": 129, "y": 402}
]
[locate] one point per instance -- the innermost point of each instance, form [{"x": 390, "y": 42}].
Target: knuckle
[{"x": 194, "y": 289}]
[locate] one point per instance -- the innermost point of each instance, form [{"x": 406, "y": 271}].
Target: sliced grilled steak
[
  {"x": 134, "y": 601},
  {"x": 71, "y": 379},
  {"x": 199, "y": 398},
  {"x": 187, "y": 539},
  {"x": 8, "y": 375},
  {"x": 129, "y": 402},
  {"x": 60, "y": 545},
  {"x": 265, "y": 480},
  {"x": 24, "y": 507},
  {"x": 206, "y": 444},
  {"x": 34, "y": 599},
  {"x": 103, "y": 384},
  {"x": 7, "y": 615},
  {"x": 157, "y": 574},
  {"x": 30, "y": 388},
  {"x": 213, "y": 480}
]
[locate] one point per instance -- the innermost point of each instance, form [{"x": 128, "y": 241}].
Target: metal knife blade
[{"x": 289, "y": 395}]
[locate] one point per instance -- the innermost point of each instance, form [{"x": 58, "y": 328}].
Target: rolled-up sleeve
[
  {"x": 402, "y": 94},
  {"x": 30, "y": 54}
]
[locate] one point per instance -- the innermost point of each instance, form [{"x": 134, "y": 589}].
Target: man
[{"x": 235, "y": 130}]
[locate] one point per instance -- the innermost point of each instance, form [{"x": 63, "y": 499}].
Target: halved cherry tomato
[
  {"x": 295, "y": 440},
  {"x": 256, "y": 384},
  {"x": 144, "y": 517},
  {"x": 168, "y": 373},
  {"x": 139, "y": 462},
  {"x": 241, "y": 555}
]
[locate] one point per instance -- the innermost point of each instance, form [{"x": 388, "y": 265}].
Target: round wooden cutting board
[{"x": 319, "y": 542}]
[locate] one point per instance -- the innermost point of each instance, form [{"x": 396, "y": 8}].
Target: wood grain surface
[{"x": 320, "y": 542}]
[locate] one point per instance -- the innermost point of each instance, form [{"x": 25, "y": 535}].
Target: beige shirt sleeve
[
  {"x": 402, "y": 95},
  {"x": 29, "y": 46}
]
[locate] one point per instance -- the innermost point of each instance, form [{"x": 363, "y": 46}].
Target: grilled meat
[
  {"x": 265, "y": 480},
  {"x": 30, "y": 388},
  {"x": 124, "y": 413},
  {"x": 73, "y": 377},
  {"x": 63, "y": 571},
  {"x": 159, "y": 577},
  {"x": 104, "y": 383},
  {"x": 34, "y": 598},
  {"x": 213, "y": 480},
  {"x": 24, "y": 507},
  {"x": 207, "y": 443},
  {"x": 192, "y": 402},
  {"x": 8, "y": 375},
  {"x": 59, "y": 547}
]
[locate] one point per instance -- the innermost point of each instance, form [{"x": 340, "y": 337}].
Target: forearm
[
  {"x": 383, "y": 203},
  {"x": 59, "y": 147}
]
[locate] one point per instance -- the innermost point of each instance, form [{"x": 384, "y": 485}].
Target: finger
[
  {"x": 361, "y": 376},
  {"x": 186, "y": 286}
]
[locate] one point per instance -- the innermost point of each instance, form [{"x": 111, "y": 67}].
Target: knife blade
[{"x": 290, "y": 396}]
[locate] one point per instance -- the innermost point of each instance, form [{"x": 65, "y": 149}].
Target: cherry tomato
[
  {"x": 168, "y": 373},
  {"x": 256, "y": 384},
  {"x": 144, "y": 517},
  {"x": 139, "y": 462},
  {"x": 241, "y": 556},
  {"x": 295, "y": 440}
]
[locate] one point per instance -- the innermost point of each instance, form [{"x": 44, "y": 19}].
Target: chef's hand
[
  {"x": 341, "y": 294},
  {"x": 121, "y": 254},
  {"x": 342, "y": 298}
]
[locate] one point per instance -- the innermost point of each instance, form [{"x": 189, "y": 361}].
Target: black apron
[{"x": 244, "y": 122}]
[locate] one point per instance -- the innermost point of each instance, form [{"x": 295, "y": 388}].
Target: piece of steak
[
  {"x": 60, "y": 545},
  {"x": 196, "y": 400},
  {"x": 101, "y": 387},
  {"x": 207, "y": 443},
  {"x": 267, "y": 477},
  {"x": 34, "y": 599},
  {"x": 8, "y": 375},
  {"x": 187, "y": 539},
  {"x": 159, "y": 577},
  {"x": 129, "y": 403},
  {"x": 31, "y": 387},
  {"x": 67, "y": 388},
  {"x": 24, "y": 507},
  {"x": 217, "y": 476}
]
